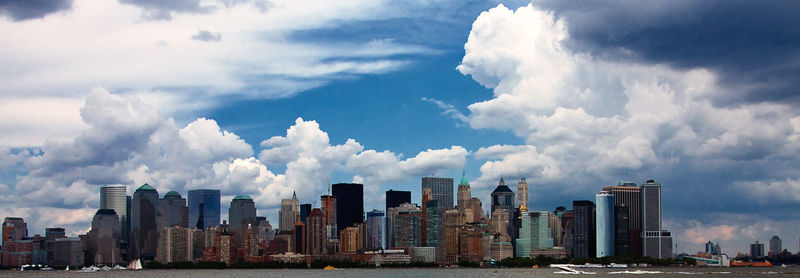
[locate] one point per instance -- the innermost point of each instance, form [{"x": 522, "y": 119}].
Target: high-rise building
[
  {"x": 657, "y": 242},
  {"x": 476, "y": 210},
  {"x": 349, "y": 205},
  {"x": 464, "y": 192},
  {"x": 316, "y": 235},
  {"x": 503, "y": 198},
  {"x": 534, "y": 233},
  {"x": 175, "y": 245},
  {"x": 775, "y": 245},
  {"x": 396, "y": 198},
  {"x": 68, "y": 252},
  {"x": 241, "y": 216},
  {"x": 305, "y": 209},
  {"x": 433, "y": 225},
  {"x": 17, "y": 248},
  {"x": 290, "y": 212},
  {"x": 621, "y": 232},
  {"x": 173, "y": 211},
  {"x": 757, "y": 250},
  {"x": 351, "y": 239},
  {"x": 299, "y": 237},
  {"x": 628, "y": 194},
  {"x": 406, "y": 225},
  {"x": 115, "y": 197},
  {"x": 583, "y": 235},
  {"x": 144, "y": 231},
  {"x": 712, "y": 248},
  {"x": 103, "y": 240},
  {"x": 204, "y": 208},
  {"x": 375, "y": 226},
  {"x": 329, "y": 208},
  {"x": 51, "y": 234},
  {"x": 522, "y": 194},
  {"x": 265, "y": 231},
  {"x": 442, "y": 190},
  {"x": 453, "y": 219},
  {"x": 604, "y": 228}
]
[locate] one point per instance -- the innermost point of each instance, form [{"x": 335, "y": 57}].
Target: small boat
[
  {"x": 329, "y": 268},
  {"x": 569, "y": 269},
  {"x": 119, "y": 267},
  {"x": 67, "y": 269},
  {"x": 105, "y": 268},
  {"x": 135, "y": 265},
  {"x": 89, "y": 269},
  {"x": 46, "y": 268}
]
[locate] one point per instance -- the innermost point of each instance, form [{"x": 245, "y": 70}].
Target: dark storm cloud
[
  {"x": 30, "y": 9},
  {"x": 754, "y": 46},
  {"x": 162, "y": 10},
  {"x": 208, "y": 36}
]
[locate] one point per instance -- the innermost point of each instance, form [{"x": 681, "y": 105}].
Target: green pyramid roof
[
  {"x": 146, "y": 187},
  {"x": 464, "y": 178},
  {"x": 294, "y": 195},
  {"x": 242, "y": 197}
]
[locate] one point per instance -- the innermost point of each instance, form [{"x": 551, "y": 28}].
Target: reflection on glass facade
[
  {"x": 605, "y": 224},
  {"x": 204, "y": 208}
]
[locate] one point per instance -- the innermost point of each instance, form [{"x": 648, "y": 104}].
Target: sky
[{"x": 270, "y": 97}]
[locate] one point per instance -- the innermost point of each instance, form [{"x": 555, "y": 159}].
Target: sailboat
[{"x": 135, "y": 265}]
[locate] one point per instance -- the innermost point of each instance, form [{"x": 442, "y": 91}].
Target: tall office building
[
  {"x": 241, "y": 216},
  {"x": 433, "y": 224},
  {"x": 305, "y": 209},
  {"x": 290, "y": 212},
  {"x": 299, "y": 237},
  {"x": 503, "y": 198},
  {"x": 406, "y": 225},
  {"x": 534, "y": 233},
  {"x": 17, "y": 248},
  {"x": 115, "y": 197},
  {"x": 464, "y": 192},
  {"x": 583, "y": 235},
  {"x": 628, "y": 194},
  {"x": 50, "y": 235},
  {"x": 103, "y": 240},
  {"x": 173, "y": 211},
  {"x": 375, "y": 226},
  {"x": 657, "y": 242},
  {"x": 349, "y": 205},
  {"x": 452, "y": 221},
  {"x": 316, "y": 235},
  {"x": 442, "y": 190},
  {"x": 621, "y": 232},
  {"x": 68, "y": 252},
  {"x": 394, "y": 199},
  {"x": 522, "y": 193},
  {"x": 712, "y": 248},
  {"x": 757, "y": 250},
  {"x": 775, "y": 245},
  {"x": 144, "y": 230},
  {"x": 329, "y": 208},
  {"x": 604, "y": 228},
  {"x": 204, "y": 208}
]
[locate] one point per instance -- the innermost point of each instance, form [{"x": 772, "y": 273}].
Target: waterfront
[{"x": 415, "y": 272}]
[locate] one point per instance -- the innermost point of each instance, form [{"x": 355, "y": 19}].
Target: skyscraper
[
  {"x": 406, "y": 225},
  {"x": 396, "y": 198},
  {"x": 583, "y": 235},
  {"x": 534, "y": 233},
  {"x": 241, "y": 214},
  {"x": 621, "y": 231},
  {"x": 628, "y": 194},
  {"x": 290, "y": 211},
  {"x": 316, "y": 236},
  {"x": 16, "y": 251},
  {"x": 375, "y": 226},
  {"x": 605, "y": 224},
  {"x": 329, "y": 208},
  {"x": 349, "y": 204},
  {"x": 503, "y": 198},
  {"x": 464, "y": 192},
  {"x": 305, "y": 209},
  {"x": 144, "y": 231},
  {"x": 657, "y": 242},
  {"x": 775, "y": 245},
  {"x": 204, "y": 208},
  {"x": 115, "y": 197},
  {"x": 433, "y": 225},
  {"x": 172, "y": 211},
  {"x": 522, "y": 193},
  {"x": 756, "y": 250},
  {"x": 103, "y": 240},
  {"x": 442, "y": 190}
]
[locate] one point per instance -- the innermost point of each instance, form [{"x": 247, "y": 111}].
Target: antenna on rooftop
[{"x": 328, "y": 181}]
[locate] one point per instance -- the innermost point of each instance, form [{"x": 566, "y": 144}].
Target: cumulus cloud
[
  {"x": 208, "y": 36},
  {"x": 163, "y": 10},
  {"x": 586, "y": 120},
  {"x": 31, "y": 9}
]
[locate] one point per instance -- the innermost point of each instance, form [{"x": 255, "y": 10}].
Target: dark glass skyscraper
[
  {"x": 305, "y": 209},
  {"x": 349, "y": 204},
  {"x": 442, "y": 189},
  {"x": 241, "y": 214},
  {"x": 144, "y": 231},
  {"x": 204, "y": 208},
  {"x": 395, "y": 198},
  {"x": 583, "y": 230}
]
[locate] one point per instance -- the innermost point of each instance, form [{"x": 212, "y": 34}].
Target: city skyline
[{"x": 256, "y": 98}]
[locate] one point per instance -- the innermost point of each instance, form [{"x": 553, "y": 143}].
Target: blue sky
[{"x": 267, "y": 97}]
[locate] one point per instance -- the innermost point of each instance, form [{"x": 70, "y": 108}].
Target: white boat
[
  {"x": 119, "y": 267},
  {"x": 89, "y": 269},
  {"x": 105, "y": 268},
  {"x": 135, "y": 265},
  {"x": 569, "y": 269}
]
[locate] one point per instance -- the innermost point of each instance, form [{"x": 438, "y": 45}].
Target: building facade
[
  {"x": 583, "y": 235},
  {"x": 144, "y": 230},
  {"x": 522, "y": 193},
  {"x": 604, "y": 228},
  {"x": 350, "y": 204},
  {"x": 441, "y": 189},
  {"x": 103, "y": 240},
  {"x": 241, "y": 216},
  {"x": 656, "y": 242},
  {"x": 375, "y": 234},
  {"x": 204, "y": 208},
  {"x": 290, "y": 211},
  {"x": 629, "y": 195},
  {"x": 775, "y": 245}
]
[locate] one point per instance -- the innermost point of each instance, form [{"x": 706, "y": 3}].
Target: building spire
[
  {"x": 294, "y": 195},
  {"x": 464, "y": 178},
  {"x": 502, "y": 182}
]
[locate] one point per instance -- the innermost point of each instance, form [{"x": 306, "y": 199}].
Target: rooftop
[
  {"x": 242, "y": 197},
  {"x": 146, "y": 187}
]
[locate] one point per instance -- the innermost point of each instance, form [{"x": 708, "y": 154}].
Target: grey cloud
[
  {"x": 19, "y": 10},
  {"x": 752, "y": 45},
  {"x": 208, "y": 36},
  {"x": 162, "y": 10}
]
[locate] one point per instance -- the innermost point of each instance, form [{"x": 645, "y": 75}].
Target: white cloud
[
  {"x": 585, "y": 119},
  {"x": 50, "y": 63},
  {"x": 449, "y": 110}
]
